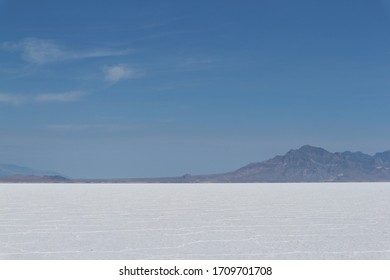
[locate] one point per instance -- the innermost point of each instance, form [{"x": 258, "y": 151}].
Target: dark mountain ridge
[{"x": 313, "y": 164}]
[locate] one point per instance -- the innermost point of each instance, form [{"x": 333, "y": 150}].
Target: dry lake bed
[{"x": 195, "y": 221}]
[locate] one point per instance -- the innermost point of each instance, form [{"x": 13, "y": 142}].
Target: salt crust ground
[{"x": 195, "y": 221}]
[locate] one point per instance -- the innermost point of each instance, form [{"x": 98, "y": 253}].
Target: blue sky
[{"x": 162, "y": 88}]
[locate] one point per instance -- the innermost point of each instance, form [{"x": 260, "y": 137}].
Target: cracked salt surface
[{"x": 195, "y": 221}]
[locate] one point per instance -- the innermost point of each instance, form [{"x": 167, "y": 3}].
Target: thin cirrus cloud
[
  {"x": 116, "y": 73},
  {"x": 10, "y": 98},
  {"x": 92, "y": 127},
  {"x": 64, "y": 97},
  {"x": 71, "y": 96},
  {"x": 39, "y": 51}
]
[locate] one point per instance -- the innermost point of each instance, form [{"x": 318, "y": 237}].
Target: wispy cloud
[
  {"x": 92, "y": 127},
  {"x": 116, "y": 73},
  {"x": 39, "y": 51},
  {"x": 71, "y": 96},
  {"x": 64, "y": 97},
  {"x": 10, "y": 98}
]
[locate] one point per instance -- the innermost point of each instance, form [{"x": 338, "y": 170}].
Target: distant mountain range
[
  {"x": 15, "y": 173},
  {"x": 306, "y": 164},
  {"x": 12, "y": 169},
  {"x": 313, "y": 164}
]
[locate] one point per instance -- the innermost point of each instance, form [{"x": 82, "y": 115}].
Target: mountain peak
[{"x": 310, "y": 149}]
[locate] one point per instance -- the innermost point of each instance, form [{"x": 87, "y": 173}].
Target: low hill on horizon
[{"x": 14, "y": 173}]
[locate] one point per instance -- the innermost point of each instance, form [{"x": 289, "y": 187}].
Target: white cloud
[
  {"x": 98, "y": 53},
  {"x": 10, "y": 98},
  {"x": 16, "y": 99},
  {"x": 119, "y": 72},
  {"x": 98, "y": 127},
  {"x": 38, "y": 51},
  {"x": 70, "y": 96}
]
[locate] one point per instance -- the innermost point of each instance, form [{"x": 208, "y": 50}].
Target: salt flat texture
[{"x": 195, "y": 221}]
